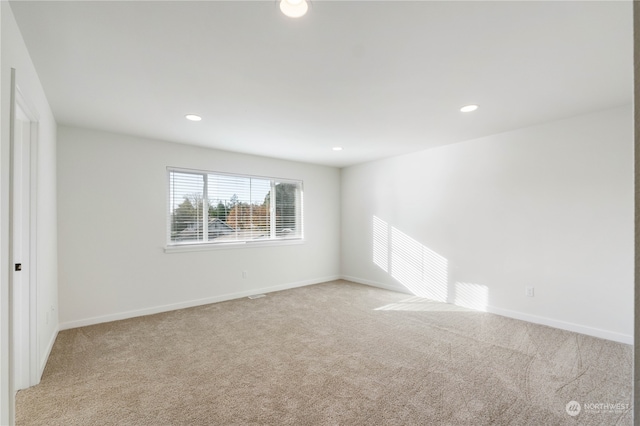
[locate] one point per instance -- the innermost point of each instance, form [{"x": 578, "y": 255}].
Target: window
[{"x": 213, "y": 208}]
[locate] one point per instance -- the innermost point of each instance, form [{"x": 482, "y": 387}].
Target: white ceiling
[{"x": 377, "y": 78}]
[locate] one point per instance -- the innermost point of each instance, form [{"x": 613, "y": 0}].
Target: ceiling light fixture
[
  {"x": 337, "y": 148},
  {"x": 294, "y": 8},
  {"x": 469, "y": 108},
  {"x": 193, "y": 117}
]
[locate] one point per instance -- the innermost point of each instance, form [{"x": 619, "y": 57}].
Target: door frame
[{"x": 25, "y": 319}]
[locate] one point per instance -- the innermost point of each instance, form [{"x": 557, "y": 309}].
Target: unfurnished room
[{"x": 316, "y": 212}]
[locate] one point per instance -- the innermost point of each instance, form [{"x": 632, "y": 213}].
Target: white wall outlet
[
  {"x": 244, "y": 274},
  {"x": 528, "y": 291}
]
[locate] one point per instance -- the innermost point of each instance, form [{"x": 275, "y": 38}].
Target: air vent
[{"x": 257, "y": 296}]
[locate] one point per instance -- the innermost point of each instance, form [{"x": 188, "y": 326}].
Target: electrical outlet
[
  {"x": 244, "y": 274},
  {"x": 528, "y": 291}
]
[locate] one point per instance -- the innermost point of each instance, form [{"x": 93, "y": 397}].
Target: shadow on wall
[{"x": 423, "y": 272}]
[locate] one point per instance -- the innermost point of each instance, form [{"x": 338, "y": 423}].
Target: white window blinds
[{"x": 214, "y": 208}]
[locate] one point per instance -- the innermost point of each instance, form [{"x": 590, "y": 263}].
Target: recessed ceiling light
[
  {"x": 193, "y": 117},
  {"x": 469, "y": 108},
  {"x": 294, "y": 8},
  {"x": 337, "y": 148}
]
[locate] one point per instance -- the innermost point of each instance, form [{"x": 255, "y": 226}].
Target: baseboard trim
[
  {"x": 190, "y": 303},
  {"x": 562, "y": 325},
  {"x": 47, "y": 353}
]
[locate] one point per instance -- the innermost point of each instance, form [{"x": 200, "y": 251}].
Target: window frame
[{"x": 205, "y": 244}]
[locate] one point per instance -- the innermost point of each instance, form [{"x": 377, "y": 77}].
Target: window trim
[
  {"x": 186, "y": 247},
  {"x": 205, "y": 244}
]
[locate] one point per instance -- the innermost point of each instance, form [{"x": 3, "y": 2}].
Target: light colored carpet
[{"x": 332, "y": 353}]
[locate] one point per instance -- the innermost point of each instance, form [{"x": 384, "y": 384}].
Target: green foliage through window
[{"x": 238, "y": 208}]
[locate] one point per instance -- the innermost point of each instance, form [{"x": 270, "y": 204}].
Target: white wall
[
  {"x": 473, "y": 223},
  {"x": 15, "y": 55},
  {"x": 112, "y": 201}
]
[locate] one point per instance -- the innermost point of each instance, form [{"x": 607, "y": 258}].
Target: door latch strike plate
[{"x": 18, "y": 266}]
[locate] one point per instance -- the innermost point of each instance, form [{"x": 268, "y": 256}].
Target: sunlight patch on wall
[
  {"x": 423, "y": 272},
  {"x": 418, "y": 268},
  {"x": 381, "y": 243},
  {"x": 435, "y": 277},
  {"x": 406, "y": 262},
  {"x": 473, "y": 296}
]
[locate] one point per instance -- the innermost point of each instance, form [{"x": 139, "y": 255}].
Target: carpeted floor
[{"x": 333, "y": 353}]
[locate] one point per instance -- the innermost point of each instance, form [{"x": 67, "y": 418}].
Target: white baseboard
[
  {"x": 45, "y": 358},
  {"x": 562, "y": 325},
  {"x": 189, "y": 303}
]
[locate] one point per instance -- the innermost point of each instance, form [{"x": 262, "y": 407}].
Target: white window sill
[{"x": 181, "y": 248}]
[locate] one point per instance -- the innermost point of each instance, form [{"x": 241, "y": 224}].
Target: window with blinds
[{"x": 211, "y": 208}]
